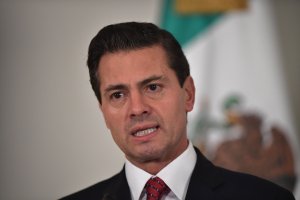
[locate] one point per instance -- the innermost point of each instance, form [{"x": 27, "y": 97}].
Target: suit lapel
[
  {"x": 118, "y": 189},
  {"x": 204, "y": 180}
]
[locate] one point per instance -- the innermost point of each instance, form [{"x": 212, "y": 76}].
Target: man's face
[{"x": 143, "y": 104}]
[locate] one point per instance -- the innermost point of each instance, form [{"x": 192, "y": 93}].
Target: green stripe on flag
[{"x": 185, "y": 26}]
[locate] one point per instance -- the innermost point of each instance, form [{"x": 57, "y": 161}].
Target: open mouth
[{"x": 145, "y": 132}]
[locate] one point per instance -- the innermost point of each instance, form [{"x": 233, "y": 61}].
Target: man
[{"x": 142, "y": 81}]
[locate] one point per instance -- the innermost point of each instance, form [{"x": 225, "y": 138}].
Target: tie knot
[{"x": 155, "y": 188}]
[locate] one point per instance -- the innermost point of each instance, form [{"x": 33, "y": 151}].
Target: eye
[
  {"x": 116, "y": 95},
  {"x": 117, "y": 98},
  {"x": 153, "y": 87},
  {"x": 154, "y": 90}
]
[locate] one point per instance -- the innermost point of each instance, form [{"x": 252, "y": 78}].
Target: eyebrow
[
  {"x": 150, "y": 79},
  {"x": 140, "y": 84},
  {"x": 115, "y": 87}
]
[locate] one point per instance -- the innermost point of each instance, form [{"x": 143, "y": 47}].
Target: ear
[
  {"x": 189, "y": 89},
  {"x": 100, "y": 106},
  {"x": 101, "y": 109}
]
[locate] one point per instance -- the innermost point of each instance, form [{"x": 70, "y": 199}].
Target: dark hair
[{"x": 131, "y": 36}]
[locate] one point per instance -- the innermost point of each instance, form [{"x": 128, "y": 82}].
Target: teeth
[{"x": 145, "y": 132}]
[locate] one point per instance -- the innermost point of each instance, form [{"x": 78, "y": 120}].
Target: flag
[{"x": 241, "y": 107}]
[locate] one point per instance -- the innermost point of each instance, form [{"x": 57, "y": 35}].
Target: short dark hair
[{"x": 132, "y": 36}]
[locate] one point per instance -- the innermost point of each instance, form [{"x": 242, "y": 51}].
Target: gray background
[{"x": 53, "y": 140}]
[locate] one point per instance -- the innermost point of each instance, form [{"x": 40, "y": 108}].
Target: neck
[
  {"x": 153, "y": 167},
  {"x": 156, "y": 165}
]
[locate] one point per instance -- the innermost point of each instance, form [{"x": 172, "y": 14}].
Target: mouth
[{"x": 145, "y": 131}]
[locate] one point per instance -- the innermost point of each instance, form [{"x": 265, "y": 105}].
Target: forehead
[
  {"x": 152, "y": 54},
  {"x": 123, "y": 66}
]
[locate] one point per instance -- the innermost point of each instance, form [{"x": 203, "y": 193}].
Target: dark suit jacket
[{"x": 208, "y": 182}]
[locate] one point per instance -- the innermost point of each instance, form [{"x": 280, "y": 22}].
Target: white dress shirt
[{"x": 176, "y": 175}]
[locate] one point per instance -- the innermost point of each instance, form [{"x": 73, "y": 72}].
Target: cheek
[
  {"x": 115, "y": 126},
  {"x": 173, "y": 110},
  {"x": 112, "y": 118}
]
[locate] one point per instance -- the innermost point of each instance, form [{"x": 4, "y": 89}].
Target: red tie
[{"x": 155, "y": 188}]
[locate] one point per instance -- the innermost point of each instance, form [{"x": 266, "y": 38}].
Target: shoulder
[
  {"x": 96, "y": 191},
  {"x": 234, "y": 185},
  {"x": 246, "y": 186}
]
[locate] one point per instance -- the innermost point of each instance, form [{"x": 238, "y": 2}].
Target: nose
[{"x": 138, "y": 105}]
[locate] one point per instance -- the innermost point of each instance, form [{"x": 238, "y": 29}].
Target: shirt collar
[
  {"x": 178, "y": 184},
  {"x": 136, "y": 178}
]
